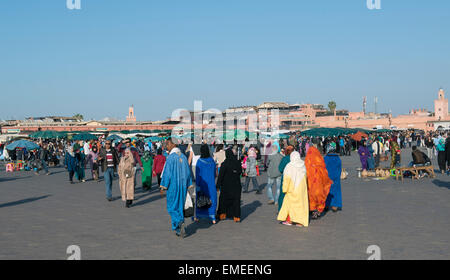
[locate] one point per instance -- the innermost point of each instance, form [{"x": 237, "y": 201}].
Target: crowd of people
[{"x": 303, "y": 173}]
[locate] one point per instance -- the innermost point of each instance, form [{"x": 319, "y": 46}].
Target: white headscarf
[{"x": 295, "y": 169}]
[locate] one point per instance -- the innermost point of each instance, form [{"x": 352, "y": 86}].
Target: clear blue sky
[{"x": 162, "y": 54}]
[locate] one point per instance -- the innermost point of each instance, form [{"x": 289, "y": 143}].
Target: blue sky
[{"x": 163, "y": 54}]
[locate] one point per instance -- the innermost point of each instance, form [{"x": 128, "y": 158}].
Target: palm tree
[
  {"x": 332, "y": 106},
  {"x": 78, "y": 117}
]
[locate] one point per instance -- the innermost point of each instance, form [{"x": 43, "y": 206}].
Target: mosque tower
[
  {"x": 131, "y": 117},
  {"x": 441, "y": 106}
]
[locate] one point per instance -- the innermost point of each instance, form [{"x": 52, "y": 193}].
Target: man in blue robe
[{"x": 176, "y": 179}]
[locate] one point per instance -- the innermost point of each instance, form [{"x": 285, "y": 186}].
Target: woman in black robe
[{"x": 229, "y": 183}]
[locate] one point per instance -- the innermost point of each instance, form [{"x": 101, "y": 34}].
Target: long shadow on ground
[
  {"x": 442, "y": 184},
  {"x": 13, "y": 178},
  {"x": 248, "y": 209},
  {"x": 18, "y": 202}
]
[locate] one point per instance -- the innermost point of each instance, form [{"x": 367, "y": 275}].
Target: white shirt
[{"x": 86, "y": 149}]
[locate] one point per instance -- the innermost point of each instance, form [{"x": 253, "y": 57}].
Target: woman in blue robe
[
  {"x": 370, "y": 159},
  {"x": 205, "y": 182},
  {"x": 334, "y": 168},
  {"x": 176, "y": 179}
]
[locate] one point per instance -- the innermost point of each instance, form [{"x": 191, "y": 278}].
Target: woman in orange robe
[{"x": 318, "y": 182}]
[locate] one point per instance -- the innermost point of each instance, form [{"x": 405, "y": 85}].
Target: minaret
[
  {"x": 441, "y": 106},
  {"x": 131, "y": 117},
  {"x": 364, "y": 105}
]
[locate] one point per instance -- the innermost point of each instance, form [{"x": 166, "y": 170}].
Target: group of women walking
[{"x": 308, "y": 188}]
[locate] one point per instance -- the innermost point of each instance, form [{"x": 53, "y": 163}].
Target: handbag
[
  {"x": 203, "y": 201},
  {"x": 344, "y": 174},
  {"x": 188, "y": 210}
]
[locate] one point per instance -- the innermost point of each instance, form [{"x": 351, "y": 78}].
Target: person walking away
[
  {"x": 319, "y": 183},
  {"x": 295, "y": 209},
  {"x": 334, "y": 168},
  {"x": 250, "y": 172},
  {"x": 342, "y": 146},
  {"x": 126, "y": 177},
  {"x": 284, "y": 162},
  {"x": 158, "y": 165},
  {"x": 147, "y": 162},
  {"x": 370, "y": 159},
  {"x": 176, "y": 179},
  {"x": 206, "y": 185},
  {"x": 229, "y": 185},
  {"x": 43, "y": 158},
  {"x": 274, "y": 175},
  {"x": 109, "y": 160}
]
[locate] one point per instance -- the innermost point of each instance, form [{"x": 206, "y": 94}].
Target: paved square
[{"x": 40, "y": 216}]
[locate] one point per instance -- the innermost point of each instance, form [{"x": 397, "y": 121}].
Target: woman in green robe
[
  {"x": 286, "y": 159},
  {"x": 147, "y": 162}
]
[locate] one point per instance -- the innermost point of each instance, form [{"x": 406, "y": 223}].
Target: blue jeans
[
  {"x": 109, "y": 175},
  {"x": 270, "y": 182},
  {"x": 44, "y": 165},
  {"x": 254, "y": 182}
]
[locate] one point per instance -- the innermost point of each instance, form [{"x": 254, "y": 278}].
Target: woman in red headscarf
[{"x": 318, "y": 182}]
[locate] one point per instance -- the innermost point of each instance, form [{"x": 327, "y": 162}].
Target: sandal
[{"x": 286, "y": 223}]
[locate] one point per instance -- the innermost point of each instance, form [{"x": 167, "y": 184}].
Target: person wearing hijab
[
  {"x": 126, "y": 177},
  {"x": 447, "y": 153},
  {"x": 440, "y": 148},
  {"x": 147, "y": 163},
  {"x": 250, "y": 171},
  {"x": 295, "y": 209},
  {"x": 334, "y": 168},
  {"x": 363, "y": 152},
  {"x": 71, "y": 163},
  {"x": 158, "y": 165},
  {"x": 286, "y": 159},
  {"x": 206, "y": 184},
  {"x": 318, "y": 182},
  {"x": 92, "y": 158},
  {"x": 229, "y": 184}
]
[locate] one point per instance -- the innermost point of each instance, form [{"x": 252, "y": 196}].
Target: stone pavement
[{"x": 40, "y": 216}]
